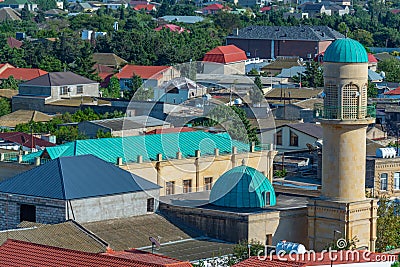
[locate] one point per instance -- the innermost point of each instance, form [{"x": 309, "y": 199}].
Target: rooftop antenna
[{"x": 154, "y": 244}]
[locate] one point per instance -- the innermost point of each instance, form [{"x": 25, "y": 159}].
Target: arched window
[
  {"x": 350, "y": 101},
  {"x": 331, "y": 101}
]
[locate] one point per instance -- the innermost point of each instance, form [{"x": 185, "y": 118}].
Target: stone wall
[{"x": 47, "y": 210}]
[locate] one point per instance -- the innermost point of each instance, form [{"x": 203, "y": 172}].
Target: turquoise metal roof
[
  {"x": 75, "y": 178},
  {"x": 148, "y": 146},
  {"x": 346, "y": 51},
  {"x": 242, "y": 187}
]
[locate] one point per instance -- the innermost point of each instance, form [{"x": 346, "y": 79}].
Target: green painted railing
[{"x": 343, "y": 113}]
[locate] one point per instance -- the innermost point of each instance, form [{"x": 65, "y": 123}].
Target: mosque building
[{"x": 243, "y": 205}]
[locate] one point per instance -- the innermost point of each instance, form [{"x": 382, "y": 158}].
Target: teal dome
[
  {"x": 243, "y": 187},
  {"x": 346, "y": 51}
]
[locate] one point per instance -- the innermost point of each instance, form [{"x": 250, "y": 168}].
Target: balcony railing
[{"x": 343, "y": 112}]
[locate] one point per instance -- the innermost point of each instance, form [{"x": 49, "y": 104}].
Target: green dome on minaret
[{"x": 346, "y": 50}]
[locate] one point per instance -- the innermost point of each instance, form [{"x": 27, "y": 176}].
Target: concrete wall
[
  {"x": 27, "y": 103},
  {"x": 88, "y": 90},
  {"x": 47, "y": 210},
  {"x": 234, "y": 226},
  {"x": 111, "y": 207},
  {"x": 303, "y": 138},
  {"x": 34, "y": 90},
  {"x": 227, "y": 69}
]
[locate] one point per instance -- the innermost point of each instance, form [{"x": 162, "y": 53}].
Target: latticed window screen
[
  {"x": 364, "y": 102},
  {"x": 331, "y": 101},
  {"x": 350, "y": 96}
]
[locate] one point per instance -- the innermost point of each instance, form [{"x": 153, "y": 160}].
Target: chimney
[
  {"x": 139, "y": 159},
  {"x": 159, "y": 157},
  {"x": 216, "y": 152},
  {"x": 236, "y": 32},
  {"x": 119, "y": 161},
  {"x": 178, "y": 155},
  {"x": 19, "y": 158},
  {"x": 252, "y": 146},
  {"x": 197, "y": 153}
]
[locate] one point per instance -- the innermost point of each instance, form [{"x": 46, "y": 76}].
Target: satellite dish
[{"x": 154, "y": 243}]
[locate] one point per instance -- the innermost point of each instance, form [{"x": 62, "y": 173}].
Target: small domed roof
[
  {"x": 243, "y": 187},
  {"x": 346, "y": 51}
]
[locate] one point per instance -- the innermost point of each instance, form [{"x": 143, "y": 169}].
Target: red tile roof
[
  {"x": 372, "y": 58},
  {"x": 172, "y": 28},
  {"x": 148, "y": 258},
  {"x": 214, "y": 7},
  {"x": 393, "y": 92},
  {"x": 171, "y": 130},
  {"x": 265, "y": 8},
  {"x": 225, "y": 54},
  {"x": 24, "y": 254},
  {"x": 14, "y": 43},
  {"x": 148, "y": 7},
  {"x": 23, "y": 74},
  {"x": 145, "y": 72},
  {"x": 24, "y": 139}
]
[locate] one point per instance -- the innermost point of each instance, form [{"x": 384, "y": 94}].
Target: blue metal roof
[
  {"x": 75, "y": 178},
  {"x": 373, "y": 76},
  {"x": 148, "y": 146},
  {"x": 242, "y": 187}
]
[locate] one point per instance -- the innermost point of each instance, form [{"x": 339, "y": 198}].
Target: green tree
[
  {"x": 143, "y": 94},
  {"x": 372, "y": 90},
  {"x": 51, "y": 64},
  {"x": 102, "y": 134},
  {"x": 253, "y": 72},
  {"x": 113, "y": 89},
  {"x": 312, "y": 77},
  {"x": 258, "y": 82},
  {"x": 26, "y": 15},
  {"x": 391, "y": 67},
  {"x": 83, "y": 64},
  {"x": 256, "y": 95},
  {"x": 135, "y": 84},
  {"x": 5, "y": 106},
  {"x": 388, "y": 225},
  {"x": 363, "y": 36},
  {"x": 9, "y": 83}
]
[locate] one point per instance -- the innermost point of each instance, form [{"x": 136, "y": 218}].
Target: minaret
[{"x": 343, "y": 211}]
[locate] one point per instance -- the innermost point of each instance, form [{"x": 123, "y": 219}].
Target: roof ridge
[
  {"x": 62, "y": 177},
  {"x": 89, "y": 233}
]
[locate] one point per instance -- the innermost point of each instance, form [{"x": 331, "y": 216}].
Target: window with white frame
[
  {"x": 396, "y": 184},
  {"x": 384, "y": 179}
]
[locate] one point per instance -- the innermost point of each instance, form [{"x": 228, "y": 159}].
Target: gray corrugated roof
[
  {"x": 309, "y": 33},
  {"x": 58, "y": 79},
  {"x": 74, "y": 178},
  {"x": 118, "y": 124}
]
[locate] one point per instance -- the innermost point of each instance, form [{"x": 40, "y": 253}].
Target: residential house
[
  {"x": 383, "y": 175},
  {"x": 9, "y": 14},
  {"x": 296, "y": 136},
  {"x": 280, "y": 96},
  {"x": 81, "y": 7},
  {"x": 53, "y": 86},
  {"x": 271, "y": 41},
  {"x": 301, "y": 110},
  {"x": 281, "y": 63},
  {"x": 289, "y": 73},
  {"x": 374, "y": 77},
  {"x": 20, "y": 74},
  {"x": 14, "y": 43},
  {"x": 23, "y": 141},
  {"x": 372, "y": 62},
  {"x": 383, "y": 55},
  {"x": 395, "y": 93},
  {"x": 55, "y": 12},
  {"x": 175, "y": 154},
  {"x": 19, "y": 4},
  {"x": 338, "y": 9},
  {"x": 92, "y": 35},
  {"x": 253, "y": 3},
  {"x": 179, "y": 90},
  {"x": 182, "y": 19},
  {"x": 46, "y": 256},
  {"x": 315, "y": 9},
  {"x": 145, "y": 7},
  {"x": 10, "y": 121},
  {"x": 114, "y": 5},
  {"x": 83, "y": 188},
  {"x": 126, "y": 126},
  {"x": 172, "y": 28},
  {"x": 152, "y": 76},
  {"x": 109, "y": 60},
  {"x": 227, "y": 59},
  {"x": 214, "y": 9}
]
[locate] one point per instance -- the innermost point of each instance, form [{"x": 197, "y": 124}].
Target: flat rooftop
[{"x": 200, "y": 200}]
